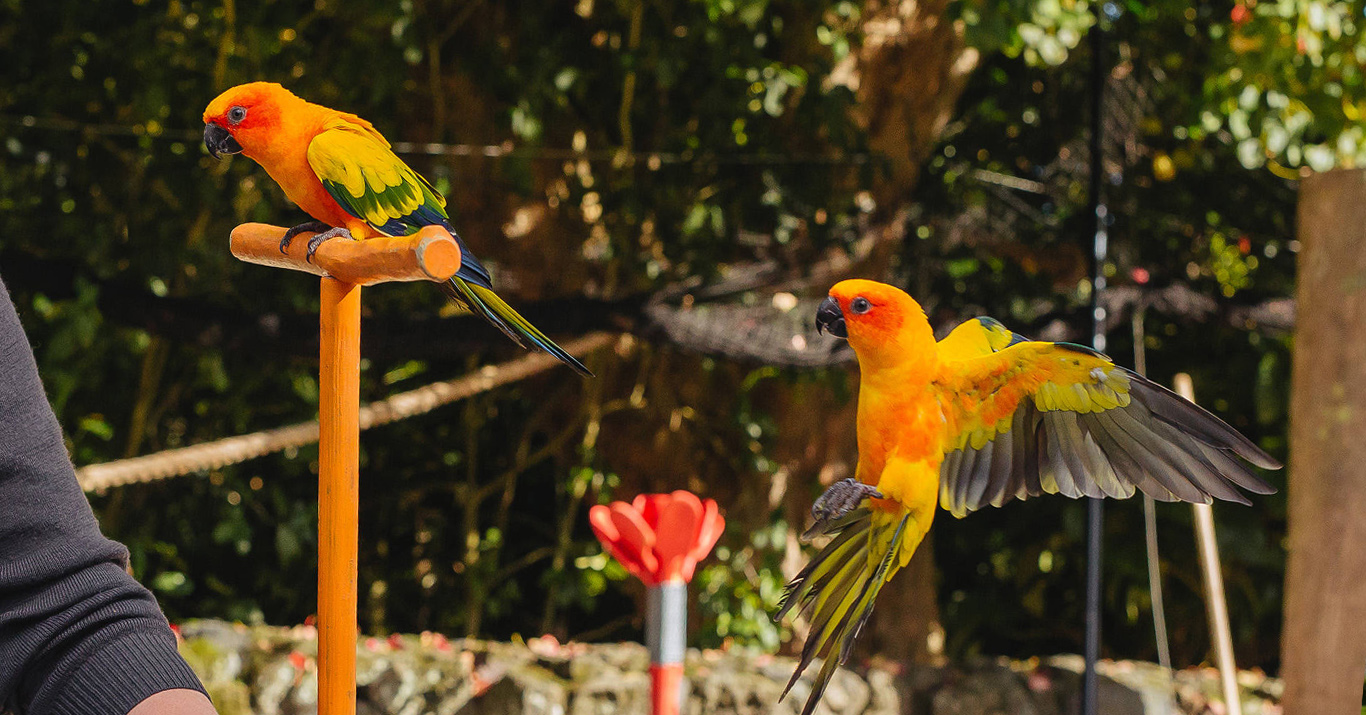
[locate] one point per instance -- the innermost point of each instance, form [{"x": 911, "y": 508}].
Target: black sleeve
[{"x": 77, "y": 634}]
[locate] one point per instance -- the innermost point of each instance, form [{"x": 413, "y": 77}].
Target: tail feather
[
  {"x": 488, "y": 305},
  {"x": 827, "y": 629},
  {"x": 871, "y": 588},
  {"x": 828, "y": 618},
  {"x": 838, "y": 589},
  {"x": 825, "y": 565}
]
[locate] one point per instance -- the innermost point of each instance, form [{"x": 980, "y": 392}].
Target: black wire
[
  {"x": 650, "y": 159},
  {"x": 1095, "y": 512}
]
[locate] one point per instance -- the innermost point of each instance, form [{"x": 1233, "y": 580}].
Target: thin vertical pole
[
  {"x": 338, "y": 494},
  {"x": 1095, "y": 524},
  {"x": 1216, "y": 604},
  {"x": 1164, "y": 651},
  {"x": 1095, "y": 513}
]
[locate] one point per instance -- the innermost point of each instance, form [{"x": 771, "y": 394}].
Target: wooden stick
[
  {"x": 1216, "y": 605},
  {"x": 338, "y": 495},
  {"x": 428, "y": 255}
]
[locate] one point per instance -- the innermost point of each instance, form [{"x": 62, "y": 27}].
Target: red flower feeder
[{"x": 660, "y": 538}]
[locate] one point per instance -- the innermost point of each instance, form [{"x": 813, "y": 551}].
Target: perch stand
[{"x": 345, "y": 266}]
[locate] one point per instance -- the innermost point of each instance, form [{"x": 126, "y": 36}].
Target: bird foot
[
  {"x": 841, "y": 498},
  {"x": 317, "y": 240},
  {"x": 314, "y": 226}
]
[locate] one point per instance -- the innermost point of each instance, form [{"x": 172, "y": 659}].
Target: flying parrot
[
  {"x": 978, "y": 418},
  {"x": 341, "y": 171}
]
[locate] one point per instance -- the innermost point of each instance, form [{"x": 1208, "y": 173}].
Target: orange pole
[
  {"x": 430, "y": 254},
  {"x": 338, "y": 495}
]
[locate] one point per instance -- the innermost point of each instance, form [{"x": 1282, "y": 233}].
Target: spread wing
[
  {"x": 359, "y": 170},
  {"x": 1028, "y": 418}
]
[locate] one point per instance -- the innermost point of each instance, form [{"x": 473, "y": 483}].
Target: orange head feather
[
  {"x": 883, "y": 324},
  {"x": 248, "y": 118}
]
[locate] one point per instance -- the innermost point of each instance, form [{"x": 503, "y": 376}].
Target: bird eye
[
  {"x": 237, "y": 114},
  {"x": 860, "y": 305}
]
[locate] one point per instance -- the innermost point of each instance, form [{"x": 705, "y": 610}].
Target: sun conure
[
  {"x": 342, "y": 172},
  {"x": 981, "y": 417}
]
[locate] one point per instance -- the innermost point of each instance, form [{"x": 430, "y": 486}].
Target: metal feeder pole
[{"x": 666, "y": 638}]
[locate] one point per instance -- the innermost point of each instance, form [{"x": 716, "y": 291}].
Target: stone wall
[{"x": 273, "y": 671}]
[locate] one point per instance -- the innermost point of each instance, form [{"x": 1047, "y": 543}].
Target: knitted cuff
[{"x": 129, "y": 669}]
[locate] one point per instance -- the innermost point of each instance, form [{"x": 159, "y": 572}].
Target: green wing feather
[{"x": 365, "y": 177}]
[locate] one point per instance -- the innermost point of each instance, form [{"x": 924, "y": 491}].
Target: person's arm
[
  {"x": 77, "y": 634},
  {"x": 175, "y": 702}
]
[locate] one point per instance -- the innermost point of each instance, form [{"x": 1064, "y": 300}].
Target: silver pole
[{"x": 1215, "y": 603}]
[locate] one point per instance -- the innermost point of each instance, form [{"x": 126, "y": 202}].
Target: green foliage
[
  {"x": 659, "y": 143},
  {"x": 1039, "y": 32},
  {"x": 1288, "y": 85},
  {"x": 1282, "y": 78},
  {"x": 739, "y": 591}
]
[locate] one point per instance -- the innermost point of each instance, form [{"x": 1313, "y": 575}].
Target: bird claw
[
  {"x": 317, "y": 240},
  {"x": 841, "y": 498},
  {"x": 314, "y": 226}
]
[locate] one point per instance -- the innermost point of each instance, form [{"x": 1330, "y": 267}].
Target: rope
[{"x": 232, "y": 450}]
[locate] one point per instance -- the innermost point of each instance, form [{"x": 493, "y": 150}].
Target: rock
[
  {"x": 609, "y": 693},
  {"x": 885, "y": 699},
  {"x": 230, "y": 697},
  {"x": 986, "y": 689},
  {"x": 273, "y": 671},
  {"x": 523, "y": 694},
  {"x": 216, "y": 650},
  {"x": 723, "y": 683}
]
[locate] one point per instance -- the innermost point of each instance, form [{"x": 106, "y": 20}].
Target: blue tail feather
[{"x": 470, "y": 268}]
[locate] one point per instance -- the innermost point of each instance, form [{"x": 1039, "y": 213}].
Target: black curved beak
[
  {"x": 218, "y": 141},
  {"x": 830, "y": 319}
]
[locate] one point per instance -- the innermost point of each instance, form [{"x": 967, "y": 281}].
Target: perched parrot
[
  {"x": 978, "y": 418},
  {"x": 341, "y": 171}
]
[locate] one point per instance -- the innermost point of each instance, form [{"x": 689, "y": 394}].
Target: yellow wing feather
[
  {"x": 1037, "y": 417},
  {"x": 976, "y": 337}
]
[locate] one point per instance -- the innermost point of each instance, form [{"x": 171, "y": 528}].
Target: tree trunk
[
  {"x": 908, "y": 74},
  {"x": 1324, "y": 643}
]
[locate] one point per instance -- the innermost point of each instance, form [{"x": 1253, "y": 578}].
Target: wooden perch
[
  {"x": 428, "y": 255},
  {"x": 346, "y": 265}
]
